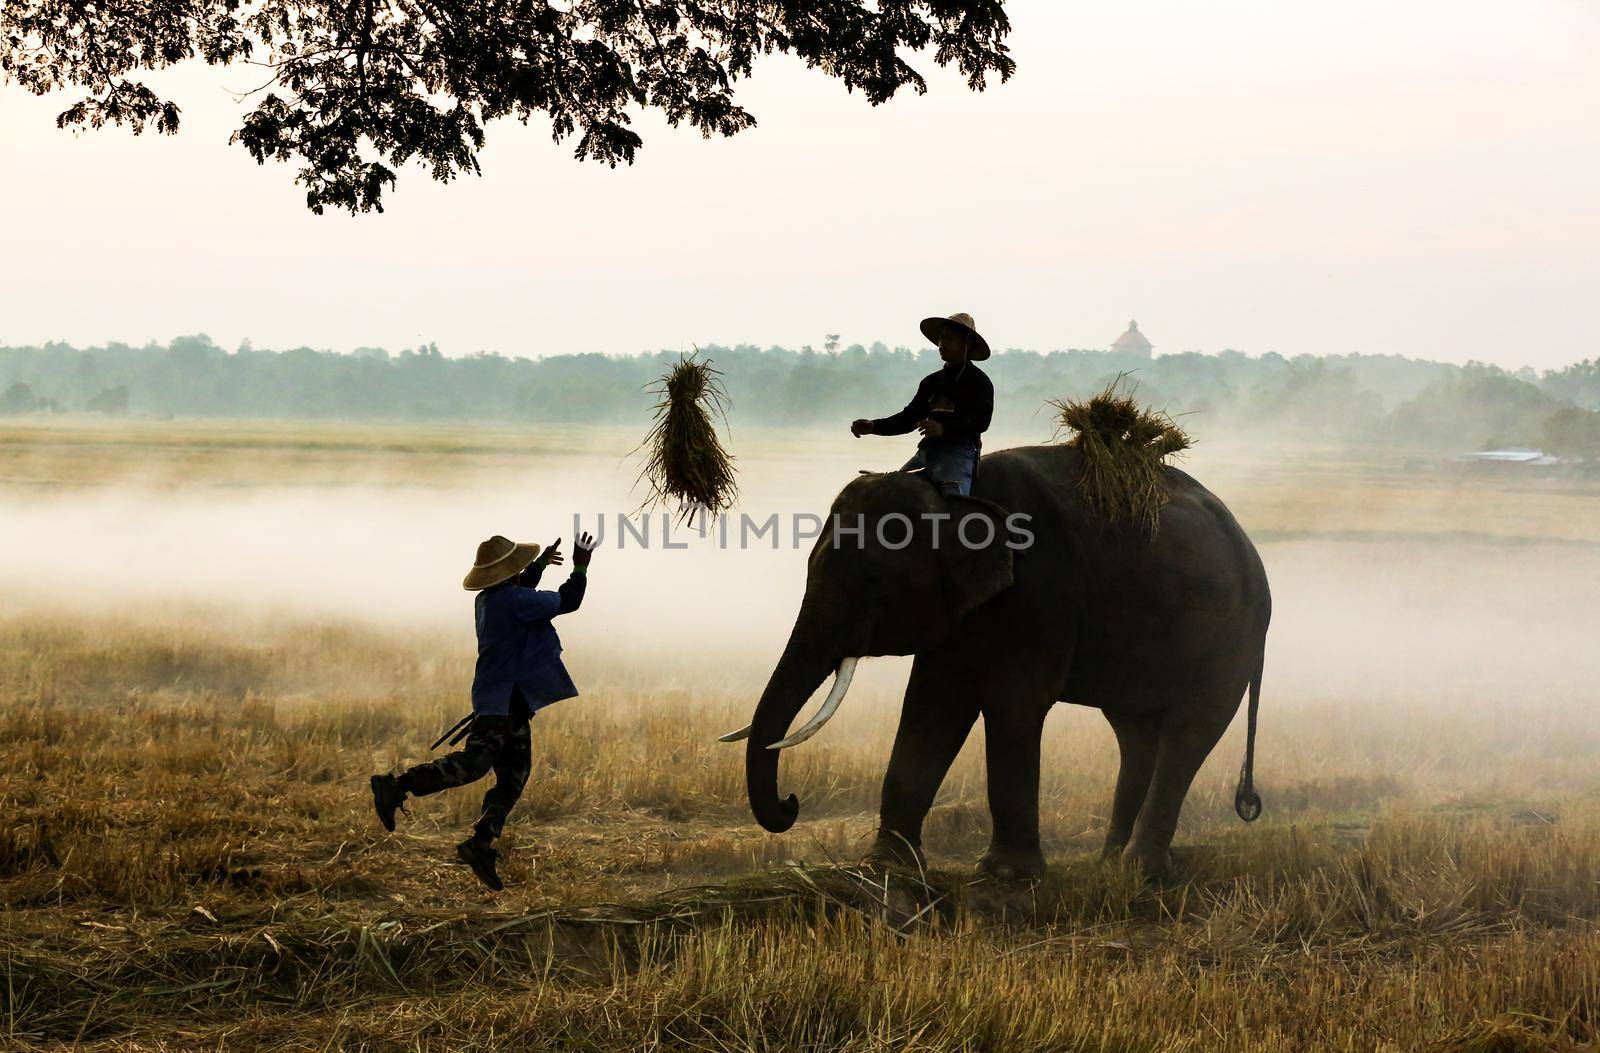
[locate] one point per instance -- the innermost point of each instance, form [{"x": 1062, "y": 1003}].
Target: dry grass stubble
[{"x": 188, "y": 858}]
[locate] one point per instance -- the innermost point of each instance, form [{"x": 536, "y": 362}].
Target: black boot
[
  {"x": 387, "y": 797},
  {"x": 481, "y": 857}
]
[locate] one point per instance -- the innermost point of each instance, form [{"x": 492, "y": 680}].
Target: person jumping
[{"x": 519, "y": 672}]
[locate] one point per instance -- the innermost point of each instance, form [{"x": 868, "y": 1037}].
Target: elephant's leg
[
  {"x": 1012, "y": 731},
  {"x": 1137, "y": 737},
  {"x": 938, "y": 714},
  {"x": 1186, "y": 740}
]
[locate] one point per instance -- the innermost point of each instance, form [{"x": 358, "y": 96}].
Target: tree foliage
[
  {"x": 1480, "y": 405},
  {"x": 1354, "y": 397},
  {"x": 1571, "y": 432},
  {"x": 353, "y": 89}
]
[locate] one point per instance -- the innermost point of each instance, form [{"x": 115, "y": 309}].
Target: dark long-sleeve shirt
[
  {"x": 570, "y": 592},
  {"x": 959, "y": 397},
  {"x": 518, "y": 647}
]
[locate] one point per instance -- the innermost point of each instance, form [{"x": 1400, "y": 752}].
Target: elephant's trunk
[{"x": 802, "y": 668}]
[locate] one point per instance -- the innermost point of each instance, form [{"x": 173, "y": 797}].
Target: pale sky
[{"x": 1419, "y": 178}]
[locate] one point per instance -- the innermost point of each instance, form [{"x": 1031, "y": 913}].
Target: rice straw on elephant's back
[
  {"x": 1121, "y": 449},
  {"x": 685, "y": 460}
]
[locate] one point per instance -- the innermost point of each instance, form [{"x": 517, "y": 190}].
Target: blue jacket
[{"x": 517, "y": 645}]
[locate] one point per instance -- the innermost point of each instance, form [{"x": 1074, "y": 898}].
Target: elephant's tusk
[
  {"x": 735, "y": 736},
  {"x": 841, "y": 684}
]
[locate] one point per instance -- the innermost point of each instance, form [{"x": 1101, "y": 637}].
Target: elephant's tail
[{"x": 1245, "y": 799}]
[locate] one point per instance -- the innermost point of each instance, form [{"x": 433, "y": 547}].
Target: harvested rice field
[{"x": 214, "y": 633}]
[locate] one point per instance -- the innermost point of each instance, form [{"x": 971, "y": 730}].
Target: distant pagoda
[{"x": 1132, "y": 343}]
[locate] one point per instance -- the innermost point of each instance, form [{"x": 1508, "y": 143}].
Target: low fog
[{"x": 1432, "y": 606}]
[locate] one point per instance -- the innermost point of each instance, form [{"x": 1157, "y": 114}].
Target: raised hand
[
  {"x": 552, "y": 556},
  {"x": 583, "y": 550}
]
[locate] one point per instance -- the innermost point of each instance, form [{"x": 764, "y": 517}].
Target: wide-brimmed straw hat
[
  {"x": 499, "y": 559},
  {"x": 977, "y": 346}
]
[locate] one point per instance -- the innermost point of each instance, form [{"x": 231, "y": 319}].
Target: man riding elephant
[
  {"x": 1164, "y": 633},
  {"x": 951, "y": 408}
]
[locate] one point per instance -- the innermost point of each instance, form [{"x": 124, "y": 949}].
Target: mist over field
[
  {"x": 265, "y": 386},
  {"x": 215, "y": 631},
  {"x": 1436, "y": 587}
]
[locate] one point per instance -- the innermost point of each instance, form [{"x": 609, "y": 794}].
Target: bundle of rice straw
[
  {"x": 1121, "y": 447},
  {"x": 685, "y": 460}
]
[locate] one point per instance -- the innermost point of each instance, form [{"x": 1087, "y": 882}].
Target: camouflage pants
[{"x": 501, "y": 743}]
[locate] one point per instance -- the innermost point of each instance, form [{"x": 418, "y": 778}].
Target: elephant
[{"x": 1010, "y": 600}]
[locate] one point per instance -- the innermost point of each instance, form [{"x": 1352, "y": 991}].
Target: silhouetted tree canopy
[{"x": 355, "y": 88}]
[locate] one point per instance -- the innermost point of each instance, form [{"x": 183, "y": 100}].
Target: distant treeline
[{"x": 1380, "y": 397}]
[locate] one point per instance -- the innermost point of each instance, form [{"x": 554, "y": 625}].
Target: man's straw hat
[
  {"x": 977, "y": 346},
  {"x": 499, "y": 559}
]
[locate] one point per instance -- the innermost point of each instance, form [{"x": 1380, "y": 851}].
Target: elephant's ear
[{"x": 973, "y": 550}]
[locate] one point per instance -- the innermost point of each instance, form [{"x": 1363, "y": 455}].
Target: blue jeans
[{"x": 950, "y": 464}]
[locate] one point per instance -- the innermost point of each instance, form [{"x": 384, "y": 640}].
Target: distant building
[{"x": 1132, "y": 343}]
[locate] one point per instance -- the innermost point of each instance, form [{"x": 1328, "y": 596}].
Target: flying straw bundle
[
  {"x": 1121, "y": 447},
  {"x": 685, "y": 460}
]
